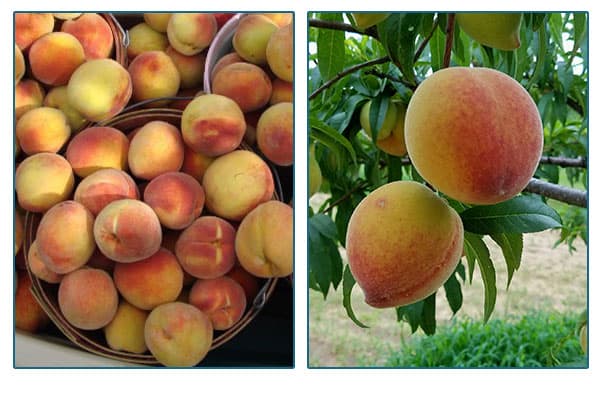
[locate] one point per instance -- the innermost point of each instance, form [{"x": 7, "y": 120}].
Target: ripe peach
[
  {"x": 157, "y": 21},
  {"x": 19, "y": 64},
  {"x": 195, "y": 164},
  {"x": 94, "y": 34},
  {"x": 87, "y": 298},
  {"x": 191, "y": 68},
  {"x": 100, "y": 261},
  {"x": 403, "y": 243},
  {"x": 280, "y": 19},
  {"x": 190, "y": 33},
  {"x": 66, "y": 16},
  {"x": 104, "y": 186},
  {"x": 246, "y": 280},
  {"x": 29, "y": 315},
  {"x": 227, "y": 59},
  {"x": 28, "y": 94},
  {"x": 264, "y": 240},
  {"x": 222, "y": 299},
  {"x": 395, "y": 144},
  {"x": 275, "y": 133},
  {"x": 127, "y": 230},
  {"x": 43, "y": 180},
  {"x": 156, "y": 148},
  {"x": 44, "y": 53},
  {"x": 126, "y": 330},
  {"x": 280, "y": 53},
  {"x": 39, "y": 268},
  {"x": 475, "y": 134},
  {"x": 57, "y": 98},
  {"x": 19, "y": 230},
  {"x": 251, "y": 37},
  {"x": 212, "y": 125},
  {"x": 96, "y": 148},
  {"x": 235, "y": 183},
  {"x": 150, "y": 282},
  {"x": 497, "y": 30},
  {"x": 99, "y": 89},
  {"x": 65, "y": 237},
  {"x": 247, "y": 84},
  {"x": 205, "y": 249},
  {"x": 176, "y": 198},
  {"x": 178, "y": 334},
  {"x": 282, "y": 92},
  {"x": 153, "y": 75},
  {"x": 143, "y": 38},
  {"x": 388, "y": 122},
  {"x": 42, "y": 129},
  {"x": 31, "y": 26}
]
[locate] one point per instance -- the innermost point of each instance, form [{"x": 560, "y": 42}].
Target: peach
[
  {"x": 104, "y": 186},
  {"x": 19, "y": 64},
  {"x": 19, "y": 230},
  {"x": 264, "y": 240},
  {"x": 190, "y": 33},
  {"x": 57, "y": 98},
  {"x": 31, "y": 26},
  {"x": 157, "y": 21},
  {"x": 44, "y": 53},
  {"x": 367, "y": 20},
  {"x": 235, "y": 183},
  {"x": 153, "y": 75},
  {"x": 150, "y": 282},
  {"x": 222, "y": 299},
  {"x": 395, "y": 144},
  {"x": 126, "y": 330},
  {"x": 96, "y": 148},
  {"x": 275, "y": 133},
  {"x": 87, "y": 298},
  {"x": 156, "y": 148},
  {"x": 497, "y": 30},
  {"x": 195, "y": 164},
  {"x": 388, "y": 124},
  {"x": 399, "y": 263},
  {"x": 94, "y": 34},
  {"x": 212, "y": 125},
  {"x": 99, "y": 89},
  {"x": 247, "y": 84},
  {"x": 65, "y": 238},
  {"x": 42, "y": 129},
  {"x": 66, "y": 16},
  {"x": 178, "y": 334},
  {"x": 475, "y": 134},
  {"x": 280, "y": 53},
  {"x": 28, "y": 94},
  {"x": 251, "y": 37},
  {"x": 39, "y": 268},
  {"x": 43, "y": 180},
  {"x": 315, "y": 178},
  {"x": 176, "y": 198},
  {"x": 191, "y": 68},
  {"x": 205, "y": 249},
  {"x": 280, "y": 19},
  {"x": 282, "y": 92},
  {"x": 127, "y": 230},
  {"x": 29, "y": 315},
  {"x": 227, "y": 59},
  {"x": 246, "y": 280},
  {"x": 143, "y": 38},
  {"x": 100, "y": 261}
]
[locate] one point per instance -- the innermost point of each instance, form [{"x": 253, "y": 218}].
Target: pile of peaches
[{"x": 161, "y": 234}]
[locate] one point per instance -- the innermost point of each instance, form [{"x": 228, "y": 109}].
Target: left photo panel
[{"x": 153, "y": 190}]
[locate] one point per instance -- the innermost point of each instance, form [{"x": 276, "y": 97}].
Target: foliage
[
  {"x": 535, "y": 340},
  {"x": 387, "y": 62}
]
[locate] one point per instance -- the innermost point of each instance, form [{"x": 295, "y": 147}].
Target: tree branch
[
  {"x": 340, "y": 26},
  {"x": 563, "y": 194},
  {"x": 355, "y": 189},
  {"x": 575, "y": 106},
  {"x": 579, "y": 162},
  {"x": 426, "y": 40},
  {"x": 449, "y": 39},
  {"x": 381, "y": 75}
]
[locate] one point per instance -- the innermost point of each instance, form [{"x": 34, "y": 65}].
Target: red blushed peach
[
  {"x": 176, "y": 197},
  {"x": 96, "y": 148},
  {"x": 104, "y": 186},
  {"x": 247, "y": 84},
  {"x": 30, "y": 26},
  {"x": 87, "y": 298},
  {"x": 154, "y": 75},
  {"x": 191, "y": 68},
  {"x": 42, "y": 129},
  {"x": 275, "y": 133},
  {"x": 246, "y": 280},
  {"x": 43, "y": 180},
  {"x": 227, "y": 59},
  {"x": 156, "y": 148},
  {"x": 143, "y": 38},
  {"x": 282, "y": 92},
  {"x": 178, "y": 334},
  {"x": 127, "y": 230},
  {"x": 29, "y": 315},
  {"x": 45, "y": 52},
  {"x": 65, "y": 237},
  {"x": 19, "y": 230},
  {"x": 222, "y": 299},
  {"x": 94, "y": 34},
  {"x": 28, "y": 94},
  {"x": 150, "y": 282},
  {"x": 57, "y": 98},
  {"x": 205, "y": 249},
  {"x": 251, "y": 37},
  {"x": 157, "y": 21},
  {"x": 190, "y": 33},
  {"x": 39, "y": 268},
  {"x": 212, "y": 125},
  {"x": 126, "y": 330},
  {"x": 19, "y": 64},
  {"x": 195, "y": 164},
  {"x": 280, "y": 53}
]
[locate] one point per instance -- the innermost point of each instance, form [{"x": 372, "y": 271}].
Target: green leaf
[
  {"x": 412, "y": 314},
  {"x": 453, "y": 293},
  {"x": 330, "y": 136},
  {"x": 486, "y": 268},
  {"x": 436, "y": 46},
  {"x": 324, "y": 259},
  {"x": 538, "y": 20},
  {"x": 522, "y": 214},
  {"x": 397, "y": 35},
  {"x": 347, "y": 285},
  {"x": 512, "y": 249},
  {"x": 377, "y": 112},
  {"x": 330, "y": 47},
  {"x": 324, "y": 225},
  {"x": 428, "y": 316},
  {"x": 540, "y": 56},
  {"x": 394, "y": 168},
  {"x": 579, "y": 28}
]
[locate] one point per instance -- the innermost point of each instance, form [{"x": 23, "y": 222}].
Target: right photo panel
[{"x": 448, "y": 189}]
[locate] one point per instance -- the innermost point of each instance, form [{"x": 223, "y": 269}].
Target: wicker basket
[{"x": 93, "y": 341}]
